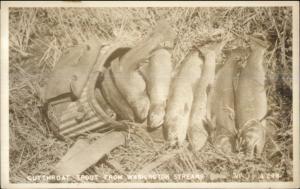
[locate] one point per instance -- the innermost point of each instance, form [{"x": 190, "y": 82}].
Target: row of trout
[{"x": 196, "y": 103}]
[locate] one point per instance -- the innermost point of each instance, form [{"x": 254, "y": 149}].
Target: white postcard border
[{"x": 5, "y": 92}]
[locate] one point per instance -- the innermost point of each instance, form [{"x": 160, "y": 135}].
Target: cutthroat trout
[
  {"x": 197, "y": 133},
  {"x": 114, "y": 97},
  {"x": 221, "y": 102},
  {"x": 180, "y": 99},
  {"x": 135, "y": 86},
  {"x": 130, "y": 83},
  {"x": 159, "y": 79},
  {"x": 251, "y": 99}
]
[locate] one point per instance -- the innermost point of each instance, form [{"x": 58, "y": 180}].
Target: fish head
[
  {"x": 252, "y": 139},
  {"x": 172, "y": 139},
  {"x": 172, "y": 129}
]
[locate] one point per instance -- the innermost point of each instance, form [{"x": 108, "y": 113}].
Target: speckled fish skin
[
  {"x": 197, "y": 133},
  {"x": 180, "y": 99},
  {"x": 159, "y": 79},
  {"x": 221, "y": 102},
  {"x": 253, "y": 138},
  {"x": 251, "y": 100}
]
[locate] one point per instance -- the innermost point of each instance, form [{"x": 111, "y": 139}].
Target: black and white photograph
[{"x": 168, "y": 94}]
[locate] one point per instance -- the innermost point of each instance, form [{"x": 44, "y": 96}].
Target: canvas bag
[{"x": 73, "y": 104}]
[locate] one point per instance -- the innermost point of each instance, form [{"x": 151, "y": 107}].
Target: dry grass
[{"x": 38, "y": 36}]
